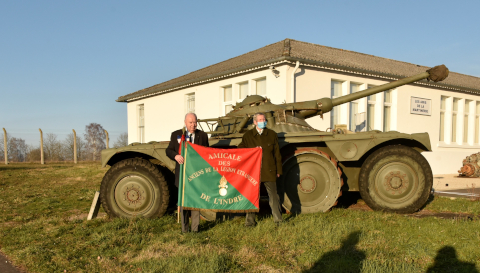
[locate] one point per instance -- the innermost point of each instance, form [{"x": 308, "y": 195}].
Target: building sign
[{"x": 420, "y": 106}]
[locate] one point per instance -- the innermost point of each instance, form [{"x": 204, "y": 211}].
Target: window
[
  {"x": 443, "y": 104},
  {"x": 354, "y": 87},
  {"x": 336, "y": 91},
  {"x": 371, "y": 111},
  {"x": 477, "y": 120},
  {"x": 227, "y": 99},
  {"x": 466, "y": 116},
  {"x": 190, "y": 103},
  {"x": 242, "y": 90},
  {"x": 387, "y": 107},
  {"x": 261, "y": 86},
  {"x": 454, "y": 119},
  {"x": 141, "y": 123}
]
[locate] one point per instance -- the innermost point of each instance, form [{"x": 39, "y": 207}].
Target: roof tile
[{"x": 292, "y": 49}]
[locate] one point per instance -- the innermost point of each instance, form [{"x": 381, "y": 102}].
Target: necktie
[{"x": 190, "y": 138}]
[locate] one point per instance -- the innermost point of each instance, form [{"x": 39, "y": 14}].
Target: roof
[{"x": 289, "y": 50}]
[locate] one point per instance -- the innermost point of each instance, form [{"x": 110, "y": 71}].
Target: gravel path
[{"x": 6, "y": 266}]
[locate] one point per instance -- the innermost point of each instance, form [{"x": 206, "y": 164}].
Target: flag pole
[
  {"x": 181, "y": 143},
  {"x": 178, "y": 214},
  {"x": 184, "y": 167},
  {"x": 178, "y": 205}
]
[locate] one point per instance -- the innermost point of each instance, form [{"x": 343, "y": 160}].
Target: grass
[{"x": 43, "y": 229}]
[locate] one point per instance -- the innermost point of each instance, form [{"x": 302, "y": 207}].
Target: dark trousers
[
  {"x": 195, "y": 214},
  {"x": 274, "y": 203}
]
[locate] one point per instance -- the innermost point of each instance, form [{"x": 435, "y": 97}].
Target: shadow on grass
[
  {"x": 447, "y": 261},
  {"x": 10, "y": 167},
  {"x": 208, "y": 225},
  {"x": 219, "y": 219},
  {"x": 430, "y": 199},
  {"x": 345, "y": 259},
  {"x": 31, "y": 166},
  {"x": 347, "y": 199},
  {"x": 291, "y": 216}
]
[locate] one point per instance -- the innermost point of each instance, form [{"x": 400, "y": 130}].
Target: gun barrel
[
  {"x": 318, "y": 107},
  {"x": 377, "y": 89}
]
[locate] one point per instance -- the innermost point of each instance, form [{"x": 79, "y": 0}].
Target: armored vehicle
[{"x": 386, "y": 167}]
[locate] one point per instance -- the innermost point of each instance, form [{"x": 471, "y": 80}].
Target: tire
[
  {"x": 395, "y": 179},
  {"x": 311, "y": 182},
  {"x": 134, "y": 187}
]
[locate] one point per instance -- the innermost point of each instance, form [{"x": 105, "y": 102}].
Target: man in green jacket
[{"x": 261, "y": 136}]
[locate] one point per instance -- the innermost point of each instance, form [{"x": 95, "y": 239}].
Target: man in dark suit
[
  {"x": 197, "y": 137},
  {"x": 271, "y": 164}
]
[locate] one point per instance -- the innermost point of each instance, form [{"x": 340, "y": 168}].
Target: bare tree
[
  {"x": 95, "y": 138},
  {"x": 121, "y": 141},
  {"x": 17, "y": 149},
  {"x": 33, "y": 153},
  {"x": 68, "y": 148},
  {"x": 52, "y": 148}
]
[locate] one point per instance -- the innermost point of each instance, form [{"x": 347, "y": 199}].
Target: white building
[{"x": 293, "y": 71}]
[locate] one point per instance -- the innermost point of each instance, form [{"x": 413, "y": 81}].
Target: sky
[{"x": 64, "y": 63}]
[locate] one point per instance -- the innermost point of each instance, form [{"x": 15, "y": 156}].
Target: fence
[{"x": 42, "y": 161}]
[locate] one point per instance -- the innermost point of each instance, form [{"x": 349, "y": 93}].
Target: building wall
[
  {"x": 446, "y": 156},
  {"x": 313, "y": 84},
  {"x": 165, "y": 113}
]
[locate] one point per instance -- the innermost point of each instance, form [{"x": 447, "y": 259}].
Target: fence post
[
  {"x": 5, "y": 145},
  {"x": 106, "y": 137},
  {"x": 74, "y": 146},
  {"x": 41, "y": 147}
]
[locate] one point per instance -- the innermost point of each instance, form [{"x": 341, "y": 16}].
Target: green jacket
[{"x": 271, "y": 158}]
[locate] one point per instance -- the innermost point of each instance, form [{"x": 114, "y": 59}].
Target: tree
[
  {"x": 121, "y": 141},
  {"x": 68, "y": 148},
  {"x": 33, "y": 153},
  {"x": 52, "y": 148},
  {"x": 95, "y": 138},
  {"x": 17, "y": 149}
]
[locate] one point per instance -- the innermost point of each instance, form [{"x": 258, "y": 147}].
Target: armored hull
[{"x": 385, "y": 167}]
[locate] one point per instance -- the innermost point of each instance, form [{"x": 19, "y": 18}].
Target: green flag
[{"x": 222, "y": 180}]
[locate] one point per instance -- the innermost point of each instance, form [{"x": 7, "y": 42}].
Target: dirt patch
[
  {"x": 83, "y": 216},
  {"x": 360, "y": 206},
  {"x": 443, "y": 215},
  {"x": 70, "y": 180},
  {"x": 42, "y": 169},
  {"x": 421, "y": 214},
  {"x": 353, "y": 201},
  {"x": 10, "y": 224},
  {"x": 80, "y": 216}
]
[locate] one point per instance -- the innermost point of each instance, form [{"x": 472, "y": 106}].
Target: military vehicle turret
[{"x": 386, "y": 167}]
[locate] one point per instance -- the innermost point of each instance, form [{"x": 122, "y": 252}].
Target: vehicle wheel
[
  {"x": 134, "y": 187},
  {"x": 311, "y": 182},
  {"x": 396, "y": 179}
]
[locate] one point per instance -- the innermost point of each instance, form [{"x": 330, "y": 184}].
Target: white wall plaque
[{"x": 420, "y": 106}]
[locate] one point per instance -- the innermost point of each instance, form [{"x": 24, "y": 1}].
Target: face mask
[{"x": 262, "y": 125}]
